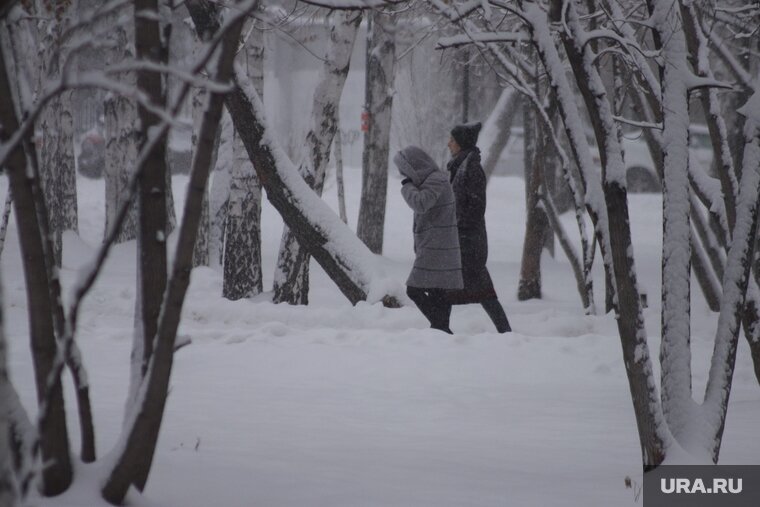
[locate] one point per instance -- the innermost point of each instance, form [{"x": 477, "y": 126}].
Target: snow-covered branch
[
  {"x": 352, "y": 4},
  {"x": 487, "y": 37}
]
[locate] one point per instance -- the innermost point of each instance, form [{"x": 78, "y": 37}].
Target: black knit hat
[{"x": 466, "y": 135}]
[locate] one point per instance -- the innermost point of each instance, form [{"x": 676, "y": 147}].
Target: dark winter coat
[
  {"x": 469, "y": 183},
  {"x": 427, "y": 191}
]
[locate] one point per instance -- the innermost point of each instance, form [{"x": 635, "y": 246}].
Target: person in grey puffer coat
[{"x": 437, "y": 265}]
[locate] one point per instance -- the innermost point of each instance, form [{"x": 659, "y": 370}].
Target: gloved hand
[{"x": 405, "y": 181}]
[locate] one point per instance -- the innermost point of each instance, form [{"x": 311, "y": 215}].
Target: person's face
[{"x": 454, "y": 147}]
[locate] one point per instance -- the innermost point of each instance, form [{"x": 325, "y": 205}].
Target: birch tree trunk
[
  {"x": 291, "y": 280},
  {"x": 242, "y": 231},
  {"x": 345, "y": 259},
  {"x": 381, "y": 65},
  {"x": 220, "y": 191},
  {"x": 201, "y": 250},
  {"x": 121, "y": 138},
  {"x": 338, "y": 151},
  {"x": 5, "y": 219},
  {"x": 56, "y": 126}
]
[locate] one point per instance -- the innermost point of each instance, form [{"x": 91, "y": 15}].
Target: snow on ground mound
[{"x": 334, "y": 405}]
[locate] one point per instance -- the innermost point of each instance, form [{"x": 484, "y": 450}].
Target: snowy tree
[
  {"x": 52, "y": 328},
  {"x": 380, "y": 76},
  {"x": 242, "y": 227},
  {"x": 565, "y": 35},
  {"x": 55, "y": 127},
  {"x": 54, "y": 443},
  {"x": 291, "y": 280},
  {"x": 351, "y": 266}
]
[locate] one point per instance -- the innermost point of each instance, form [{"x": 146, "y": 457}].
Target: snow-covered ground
[{"x": 333, "y": 405}]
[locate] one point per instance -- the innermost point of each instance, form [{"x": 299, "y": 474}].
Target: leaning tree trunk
[
  {"x": 291, "y": 280},
  {"x": 54, "y": 442},
  {"x": 121, "y": 138},
  {"x": 345, "y": 259},
  {"x": 381, "y": 65},
  {"x": 242, "y": 231}
]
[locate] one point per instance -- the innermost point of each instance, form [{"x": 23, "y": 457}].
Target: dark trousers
[
  {"x": 433, "y": 305},
  {"x": 494, "y": 310}
]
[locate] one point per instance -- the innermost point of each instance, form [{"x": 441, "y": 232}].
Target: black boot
[{"x": 494, "y": 310}]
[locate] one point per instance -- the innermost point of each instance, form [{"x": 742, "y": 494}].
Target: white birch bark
[
  {"x": 242, "y": 231},
  {"x": 4, "y": 220},
  {"x": 201, "y": 251},
  {"x": 56, "y": 129},
  {"x": 338, "y": 152},
  {"x": 291, "y": 276},
  {"x": 121, "y": 137},
  {"x": 220, "y": 192}
]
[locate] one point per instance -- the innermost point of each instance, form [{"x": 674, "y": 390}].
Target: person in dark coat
[
  {"x": 469, "y": 183},
  {"x": 437, "y": 264}
]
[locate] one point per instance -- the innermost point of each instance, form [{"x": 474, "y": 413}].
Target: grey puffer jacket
[{"x": 428, "y": 192}]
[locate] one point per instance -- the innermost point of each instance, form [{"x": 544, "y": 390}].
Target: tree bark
[
  {"x": 141, "y": 433},
  {"x": 201, "y": 252},
  {"x": 56, "y": 125},
  {"x": 536, "y": 222},
  {"x": 380, "y": 77},
  {"x": 291, "y": 279},
  {"x": 629, "y": 313},
  {"x": 242, "y": 232},
  {"x": 5, "y": 219},
  {"x": 54, "y": 442},
  {"x": 121, "y": 138},
  {"x": 220, "y": 191},
  {"x": 338, "y": 150},
  {"x": 349, "y": 268}
]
